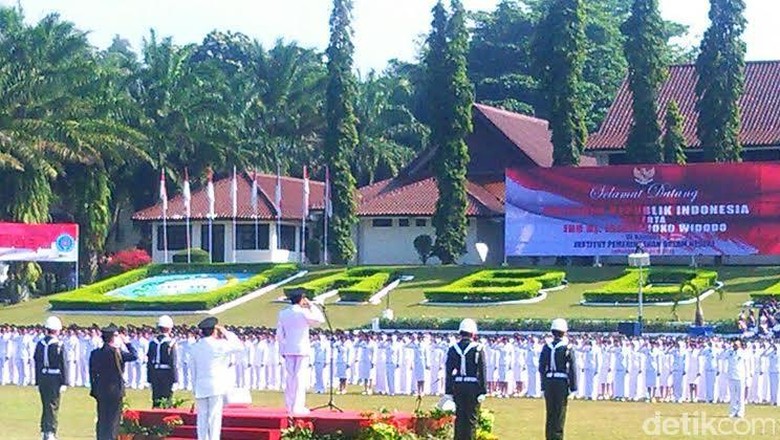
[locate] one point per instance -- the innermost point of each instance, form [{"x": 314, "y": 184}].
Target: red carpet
[{"x": 252, "y": 423}]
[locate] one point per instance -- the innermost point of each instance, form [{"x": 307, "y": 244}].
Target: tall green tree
[
  {"x": 559, "y": 56},
  {"x": 644, "y": 50},
  {"x": 673, "y": 140},
  {"x": 451, "y": 98},
  {"x": 721, "y": 71},
  {"x": 341, "y": 136}
]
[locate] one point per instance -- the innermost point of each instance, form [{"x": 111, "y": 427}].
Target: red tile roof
[
  {"x": 395, "y": 197},
  {"x": 759, "y": 105},
  {"x": 292, "y": 200},
  {"x": 530, "y": 135}
]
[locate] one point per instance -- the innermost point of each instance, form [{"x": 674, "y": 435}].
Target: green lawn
[
  {"x": 740, "y": 282},
  {"x": 515, "y": 418}
]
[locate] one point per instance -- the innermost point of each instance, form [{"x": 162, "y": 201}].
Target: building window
[
  {"x": 403, "y": 222},
  {"x": 421, "y": 222},
  {"x": 177, "y": 238},
  {"x": 252, "y": 237},
  {"x": 287, "y": 237},
  {"x": 382, "y": 222}
]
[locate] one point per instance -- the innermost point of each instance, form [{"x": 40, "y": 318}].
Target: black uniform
[
  {"x": 465, "y": 382},
  {"x": 50, "y": 375},
  {"x": 161, "y": 368},
  {"x": 106, "y": 369},
  {"x": 558, "y": 370}
]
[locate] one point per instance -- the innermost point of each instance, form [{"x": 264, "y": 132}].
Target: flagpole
[
  {"x": 303, "y": 217},
  {"x": 235, "y": 202},
  {"x": 326, "y": 213},
  {"x": 210, "y": 196},
  {"x": 165, "y": 234},
  {"x": 188, "y": 213}
]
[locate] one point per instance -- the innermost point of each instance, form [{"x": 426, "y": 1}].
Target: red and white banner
[
  {"x": 39, "y": 242},
  {"x": 696, "y": 209}
]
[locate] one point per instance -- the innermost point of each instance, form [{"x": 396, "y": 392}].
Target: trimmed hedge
[
  {"x": 94, "y": 296},
  {"x": 543, "y": 325},
  {"x": 496, "y": 286},
  {"x": 767, "y": 295},
  {"x": 357, "y": 284},
  {"x": 197, "y": 255},
  {"x": 660, "y": 285},
  {"x": 365, "y": 289}
]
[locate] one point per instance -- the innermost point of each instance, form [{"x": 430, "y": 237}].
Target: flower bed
[
  {"x": 496, "y": 286},
  {"x": 354, "y": 285},
  {"x": 93, "y": 297},
  {"x": 659, "y": 285},
  {"x": 382, "y": 425}
]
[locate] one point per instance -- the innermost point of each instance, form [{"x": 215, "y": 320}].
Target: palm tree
[{"x": 389, "y": 133}]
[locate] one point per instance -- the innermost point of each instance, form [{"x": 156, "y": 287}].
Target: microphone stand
[{"x": 330, "y": 405}]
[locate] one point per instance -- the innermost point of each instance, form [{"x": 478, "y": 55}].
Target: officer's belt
[
  {"x": 162, "y": 367},
  {"x": 557, "y": 375},
  {"x": 466, "y": 379},
  {"x": 51, "y": 371}
]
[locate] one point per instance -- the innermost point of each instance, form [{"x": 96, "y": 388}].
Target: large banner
[
  {"x": 39, "y": 242},
  {"x": 697, "y": 209}
]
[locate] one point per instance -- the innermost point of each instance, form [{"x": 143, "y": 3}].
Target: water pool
[{"x": 182, "y": 284}]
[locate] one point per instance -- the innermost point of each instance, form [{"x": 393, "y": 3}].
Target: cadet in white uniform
[
  {"x": 737, "y": 371},
  {"x": 292, "y": 332},
  {"x": 211, "y": 375}
]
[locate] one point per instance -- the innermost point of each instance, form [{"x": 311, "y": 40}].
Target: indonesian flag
[
  {"x": 278, "y": 194},
  {"x": 210, "y": 192},
  {"x": 163, "y": 192},
  {"x": 328, "y": 205},
  {"x": 306, "y": 191},
  {"x": 254, "y": 193},
  {"x": 186, "y": 194},
  {"x": 234, "y": 193}
]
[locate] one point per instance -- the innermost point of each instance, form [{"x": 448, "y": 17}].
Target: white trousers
[
  {"x": 737, "y": 393},
  {"x": 319, "y": 378},
  {"x": 209, "y": 417},
  {"x": 297, "y": 377}
]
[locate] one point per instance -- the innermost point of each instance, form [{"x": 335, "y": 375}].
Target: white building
[{"x": 270, "y": 234}]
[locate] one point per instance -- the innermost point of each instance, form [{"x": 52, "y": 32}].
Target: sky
[{"x": 384, "y": 29}]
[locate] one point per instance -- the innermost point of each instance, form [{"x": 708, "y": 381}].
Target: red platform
[{"x": 253, "y": 423}]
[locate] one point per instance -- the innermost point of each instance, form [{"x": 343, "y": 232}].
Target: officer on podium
[
  {"x": 465, "y": 380},
  {"x": 558, "y": 370},
  {"x": 50, "y": 376},
  {"x": 161, "y": 366}
]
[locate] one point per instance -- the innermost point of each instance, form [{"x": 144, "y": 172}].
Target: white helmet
[
  {"x": 468, "y": 325},
  {"x": 165, "y": 321},
  {"x": 559, "y": 325},
  {"x": 53, "y": 323}
]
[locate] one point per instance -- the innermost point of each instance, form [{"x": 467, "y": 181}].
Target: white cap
[
  {"x": 165, "y": 321},
  {"x": 468, "y": 325},
  {"x": 559, "y": 325},
  {"x": 53, "y": 323}
]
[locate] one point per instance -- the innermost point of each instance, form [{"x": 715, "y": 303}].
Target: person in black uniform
[
  {"x": 465, "y": 380},
  {"x": 558, "y": 370},
  {"x": 106, "y": 369},
  {"x": 161, "y": 363},
  {"x": 50, "y": 376}
]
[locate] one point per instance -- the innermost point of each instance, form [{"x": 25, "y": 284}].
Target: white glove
[
  {"x": 481, "y": 398},
  {"x": 448, "y": 396},
  {"x": 63, "y": 388}
]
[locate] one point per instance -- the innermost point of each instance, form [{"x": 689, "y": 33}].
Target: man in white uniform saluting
[
  {"x": 292, "y": 332},
  {"x": 210, "y": 358}
]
